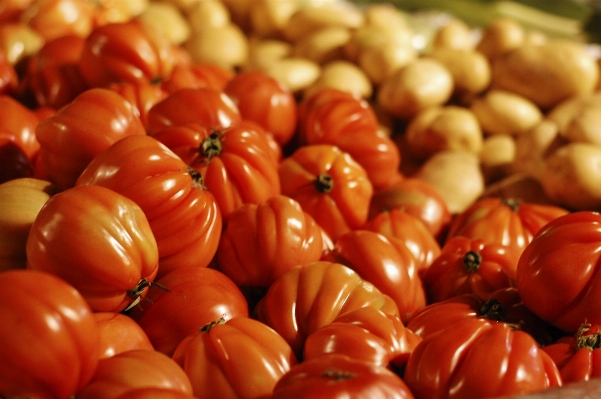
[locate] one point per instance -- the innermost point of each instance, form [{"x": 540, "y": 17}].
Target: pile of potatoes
[{"x": 497, "y": 109}]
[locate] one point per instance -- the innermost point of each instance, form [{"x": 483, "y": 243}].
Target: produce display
[{"x": 263, "y": 199}]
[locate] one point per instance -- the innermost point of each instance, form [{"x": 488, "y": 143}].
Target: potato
[
  {"x": 455, "y": 34},
  {"x": 324, "y": 45},
  {"x": 503, "y": 112},
  {"x": 579, "y": 118},
  {"x": 571, "y": 176},
  {"x": 226, "y": 46},
  {"x": 547, "y": 73},
  {"x": 470, "y": 69},
  {"x": 500, "y": 36},
  {"x": 497, "y": 156},
  {"x": 534, "y": 146},
  {"x": 343, "y": 75}
]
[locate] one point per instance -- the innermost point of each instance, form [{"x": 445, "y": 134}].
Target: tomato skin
[
  {"x": 69, "y": 141},
  {"x": 266, "y": 101},
  {"x": 14, "y": 163},
  {"x": 208, "y": 107},
  {"x": 329, "y": 185},
  {"x": 184, "y": 217},
  {"x": 125, "y": 51},
  {"x": 18, "y": 124},
  {"x": 56, "y": 18},
  {"x": 366, "y": 334},
  {"x": 9, "y": 81},
  {"x": 476, "y": 358},
  {"x": 470, "y": 266},
  {"x": 238, "y": 358},
  {"x": 97, "y": 240},
  {"x": 310, "y": 296},
  {"x": 564, "y": 296},
  {"x": 261, "y": 242},
  {"x": 186, "y": 300},
  {"x": 154, "y": 393},
  {"x": 337, "y": 376},
  {"x": 197, "y": 76},
  {"x": 504, "y": 221},
  {"x": 392, "y": 269},
  {"x": 119, "y": 333},
  {"x": 136, "y": 368},
  {"x": 404, "y": 229},
  {"x": 21, "y": 200},
  {"x": 48, "y": 336},
  {"x": 141, "y": 95}
]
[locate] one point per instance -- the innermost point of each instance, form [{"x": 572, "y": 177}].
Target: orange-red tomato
[
  {"x": 119, "y": 333},
  {"x": 261, "y": 242},
  {"x": 154, "y": 393},
  {"x": 392, "y": 269},
  {"x": 309, "y": 296},
  {"x": 9, "y": 81},
  {"x": 266, "y": 101},
  {"x": 48, "y": 336},
  {"x": 185, "y": 300},
  {"x": 142, "y": 95},
  {"x": 184, "y": 217},
  {"x": 133, "y": 369},
  {"x": 329, "y": 185},
  {"x": 81, "y": 130},
  {"x": 14, "y": 163},
  {"x": 197, "y": 76},
  {"x": 125, "y": 51},
  {"x": 97, "y": 240},
  {"x": 237, "y": 358},
  {"x": 56, "y": 18},
  {"x": 18, "y": 124}
]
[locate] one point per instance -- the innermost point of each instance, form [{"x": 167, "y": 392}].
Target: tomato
[
  {"x": 418, "y": 198},
  {"x": 48, "y": 336},
  {"x": 470, "y": 266},
  {"x": 475, "y": 358},
  {"x": 97, "y": 240},
  {"x": 237, "y": 164},
  {"x": 366, "y": 334},
  {"x": 263, "y": 99},
  {"x": 56, "y": 18},
  {"x": 197, "y": 76},
  {"x": 184, "y": 217},
  {"x": 404, "y": 229},
  {"x": 119, "y": 333},
  {"x": 18, "y": 124},
  {"x": 392, "y": 269},
  {"x": 261, "y": 242},
  {"x": 337, "y": 376},
  {"x": 9, "y": 81},
  {"x": 71, "y": 138},
  {"x": 21, "y": 200},
  {"x": 14, "y": 163},
  {"x": 142, "y": 95},
  {"x": 329, "y": 185},
  {"x": 310, "y": 296},
  {"x": 337, "y": 117},
  {"x": 504, "y": 221},
  {"x": 578, "y": 356},
  {"x": 208, "y": 107},
  {"x": 125, "y": 51},
  {"x": 183, "y": 301},
  {"x": 12, "y": 9},
  {"x": 154, "y": 393},
  {"x": 237, "y": 358},
  {"x": 557, "y": 274},
  {"x": 136, "y": 368}
]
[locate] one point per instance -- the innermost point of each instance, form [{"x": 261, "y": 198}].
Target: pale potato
[
  {"x": 534, "y": 146},
  {"x": 504, "y": 112},
  {"x": 470, "y": 69}
]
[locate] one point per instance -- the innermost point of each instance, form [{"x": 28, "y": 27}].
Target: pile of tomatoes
[{"x": 174, "y": 229}]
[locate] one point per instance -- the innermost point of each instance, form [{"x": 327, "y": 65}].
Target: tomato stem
[
  {"x": 324, "y": 183},
  {"x": 197, "y": 180},
  {"x": 512, "y": 203},
  {"x": 493, "y": 310},
  {"x": 590, "y": 341},
  {"x": 337, "y": 375},
  {"x": 472, "y": 261},
  {"x": 207, "y": 327},
  {"x": 211, "y": 146}
]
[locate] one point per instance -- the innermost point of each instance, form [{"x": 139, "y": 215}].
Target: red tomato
[
  {"x": 238, "y": 358},
  {"x": 470, "y": 266},
  {"x": 12, "y": 9},
  {"x": 261, "y": 242},
  {"x": 97, "y": 240},
  {"x": 404, "y": 229},
  {"x": 266, "y": 101},
  {"x": 142, "y": 95},
  {"x": 185, "y": 300},
  {"x": 14, "y": 163},
  {"x": 340, "y": 377},
  {"x": 119, "y": 333},
  {"x": 309, "y": 296},
  {"x": 366, "y": 334},
  {"x": 48, "y": 336},
  {"x": 338, "y": 118},
  {"x": 237, "y": 164},
  {"x": 416, "y": 197},
  {"x": 210, "y": 108},
  {"x": 56, "y": 18},
  {"x": 578, "y": 357},
  {"x": 197, "y": 76},
  {"x": 504, "y": 221},
  {"x": 18, "y": 124},
  {"x": 478, "y": 359},
  {"x": 78, "y": 132},
  {"x": 63, "y": 50},
  {"x": 154, "y": 393},
  {"x": 392, "y": 269},
  {"x": 184, "y": 217},
  {"x": 125, "y": 51},
  {"x": 9, "y": 81},
  {"x": 329, "y": 185},
  {"x": 136, "y": 368},
  {"x": 558, "y": 272}
]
